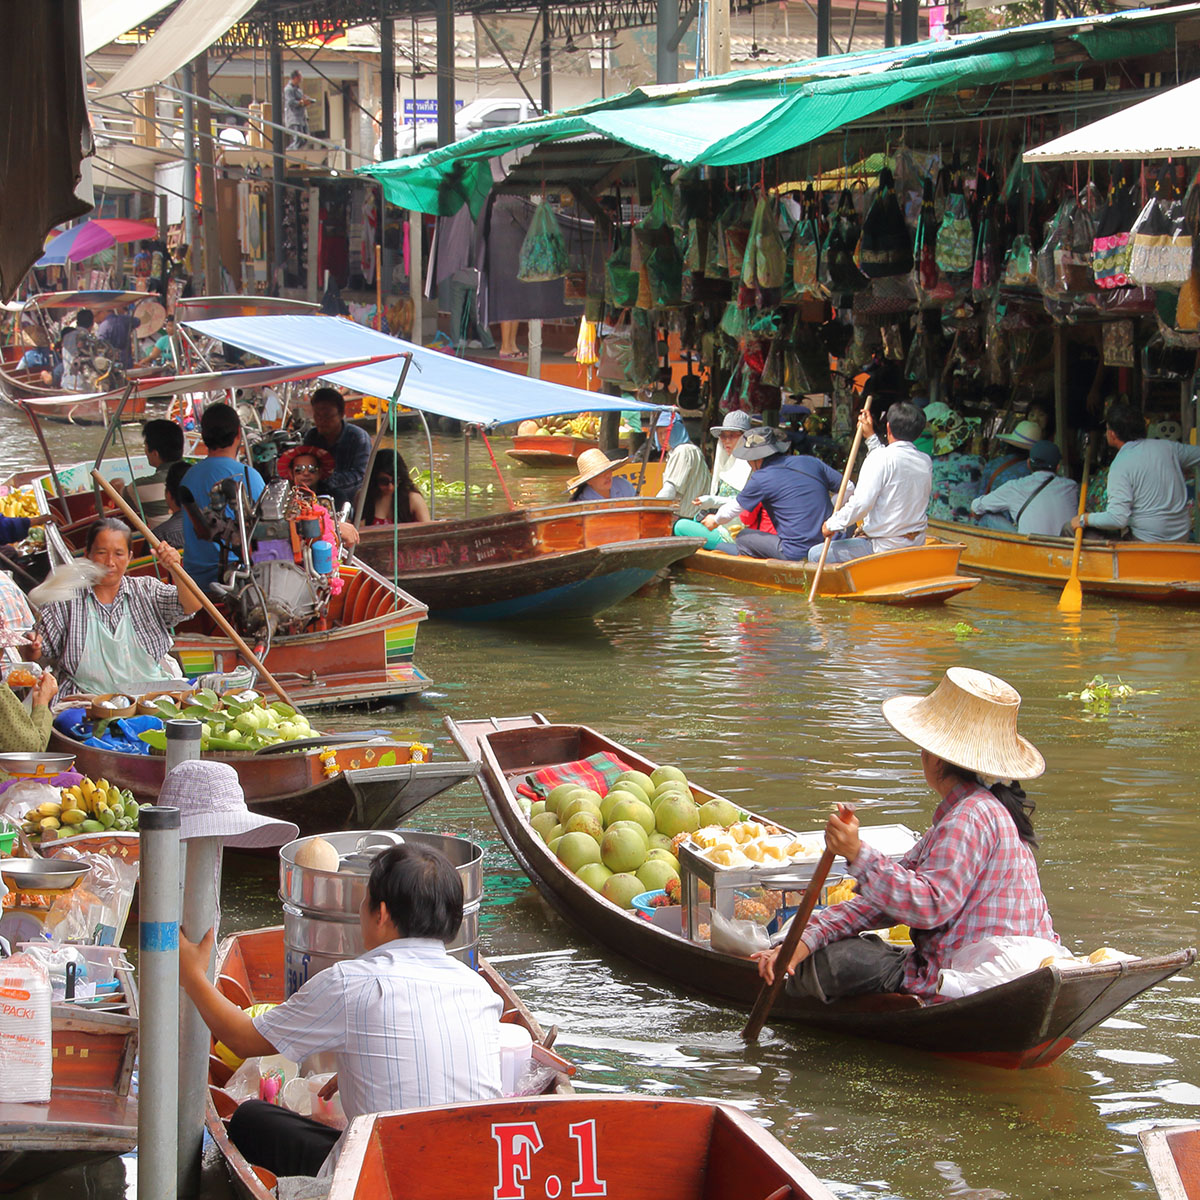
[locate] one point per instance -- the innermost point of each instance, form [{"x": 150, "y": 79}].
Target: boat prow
[
  {"x": 549, "y": 449},
  {"x": 1173, "y": 1156}
]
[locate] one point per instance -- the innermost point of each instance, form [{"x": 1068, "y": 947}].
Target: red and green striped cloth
[{"x": 598, "y": 772}]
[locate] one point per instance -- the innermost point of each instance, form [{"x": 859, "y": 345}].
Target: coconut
[{"x": 316, "y": 854}]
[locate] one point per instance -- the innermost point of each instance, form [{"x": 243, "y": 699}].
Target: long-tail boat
[
  {"x": 250, "y": 970},
  {"x": 923, "y": 575},
  {"x": 1167, "y": 572},
  {"x": 1027, "y": 1022},
  {"x": 549, "y": 449},
  {"x": 623, "y": 1147},
  {"x": 1173, "y": 1156}
]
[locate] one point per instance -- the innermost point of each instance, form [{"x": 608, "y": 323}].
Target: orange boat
[
  {"x": 549, "y": 450},
  {"x": 1162, "y": 571},
  {"x": 1173, "y": 1156},
  {"x": 923, "y": 575}
]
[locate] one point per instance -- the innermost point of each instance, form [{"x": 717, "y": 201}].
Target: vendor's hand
[
  {"x": 44, "y": 690},
  {"x": 1076, "y": 522},
  {"x": 768, "y": 960},
  {"x": 866, "y": 422},
  {"x": 347, "y": 533},
  {"x": 194, "y": 957},
  {"x": 825, "y": 530},
  {"x": 33, "y": 651},
  {"x": 328, "y": 1089},
  {"x": 168, "y": 556},
  {"x": 709, "y": 522},
  {"x": 841, "y": 833}
]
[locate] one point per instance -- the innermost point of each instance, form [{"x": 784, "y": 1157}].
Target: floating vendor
[
  {"x": 116, "y": 634},
  {"x": 392, "y": 497},
  {"x": 349, "y": 445},
  {"x": 972, "y": 876},
  {"x": 1014, "y": 462},
  {"x": 23, "y": 730},
  {"x": 1040, "y": 503},
  {"x": 595, "y": 479}
]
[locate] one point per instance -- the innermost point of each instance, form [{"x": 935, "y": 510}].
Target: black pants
[
  {"x": 855, "y": 966},
  {"x": 280, "y": 1140}
]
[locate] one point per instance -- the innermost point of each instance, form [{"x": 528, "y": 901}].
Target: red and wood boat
[
  {"x": 250, "y": 971},
  {"x": 549, "y": 449},
  {"x": 571, "y": 559},
  {"x": 923, "y": 575},
  {"x": 91, "y": 1114},
  {"x": 1173, "y": 1156},
  {"x": 1167, "y": 572},
  {"x": 624, "y": 1147},
  {"x": 1028, "y": 1022}
]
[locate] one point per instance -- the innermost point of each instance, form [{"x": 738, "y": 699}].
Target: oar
[
  {"x": 1071, "y": 599},
  {"x": 186, "y": 580},
  {"x": 812, "y": 592}
]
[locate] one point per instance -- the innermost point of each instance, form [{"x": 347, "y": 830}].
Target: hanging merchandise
[
  {"x": 1113, "y": 245},
  {"x": 1162, "y": 246},
  {"x": 620, "y": 279},
  {"x": 885, "y": 247},
  {"x": 773, "y": 372},
  {"x": 926, "y": 269},
  {"x": 643, "y": 370},
  {"x": 716, "y": 263},
  {"x": 661, "y": 261},
  {"x": 808, "y": 366},
  {"x": 575, "y": 289},
  {"x": 543, "y": 253},
  {"x": 616, "y": 354},
  {"x": 697, "y": 245},
  {"x": 1019, "y": 269},
  {"x": 765, "y": 264},
  {"x": 916, "y": 365},
  {"x": 1187, "y": 311},
  {"x": 1117, "y": 343},
  {"x": 737, "y": 234},
  {"x": 955, "y": 250},
  {"x": 839, "y": 272},
  {"x": 806, "y": 249},
  {"x": 1064, "y": 263},
  {"x": 983, "y": 271},
  {"x": 586, "y": 352},
  {"x": 735, "y": 321}
]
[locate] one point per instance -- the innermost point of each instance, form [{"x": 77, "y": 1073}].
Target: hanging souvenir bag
[
  {"x": 1062, "y": 267},
  {"x": 1162, "y": 246},
  {"x": 885, "y": 247},
  {"x": 643, "y": 368},
  {"x": 616, "y": 354},
  {"x": 983, "y": 271},
  {"x": 543, "y": 253},
  {"x": 837, "y": 255},
  {"x": 1113, "y": 244},
  {"x": 694, "y": 251},
  {"x": 765, "y": 263},
  {"x": 737, "y": 234},
  {"x": 806, "y": 249},
  {"x": 620, "y": 279},
  {"x": 661, "y": 260},
  {"x": 926, "y": 269},
  {"x": 1187, "y": 311},
  {"x": 955, "y": 250}
]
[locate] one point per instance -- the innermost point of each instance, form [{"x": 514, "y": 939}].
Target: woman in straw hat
[
  {"x": 970, "y": 878},
  {"x": 595, "y": 480}
]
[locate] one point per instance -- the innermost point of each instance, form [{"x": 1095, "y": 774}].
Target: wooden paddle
[
  {"x": 186, "y": 580},
  {"x": 769, "y": 992},
  {"x": 812, "y": 592},
  {"x": 1071, "y": 600}
]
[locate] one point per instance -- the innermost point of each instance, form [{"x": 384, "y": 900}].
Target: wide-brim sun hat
[
  {"x": 324, "y": 460},
  {"x": 1024, "y": 435},
  {"x": 211, "y": 804},
  {"x": 948, "y": 428},
  {"x": 735, "y": 422},
  {"x": 761, "y": 443},
  {"x": 593, "y": 462},
  {"x": 970, "y": 720}
]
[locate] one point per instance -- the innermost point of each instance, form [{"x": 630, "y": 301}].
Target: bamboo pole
[{"x": 812, "y": 592}]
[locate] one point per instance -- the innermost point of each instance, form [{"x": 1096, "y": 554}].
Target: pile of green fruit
[
  {"x": 237, "y": 724},
  {"x": 620, "y": 844},
  {"x": 90, "y": 806}
]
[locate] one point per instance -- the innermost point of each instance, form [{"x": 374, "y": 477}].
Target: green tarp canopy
[{"x": 745, "y": 116}]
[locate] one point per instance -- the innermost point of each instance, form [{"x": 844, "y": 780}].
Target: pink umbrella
[{"x": 90, "y": 237}]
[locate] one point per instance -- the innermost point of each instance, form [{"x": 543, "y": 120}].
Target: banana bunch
[
  {"x": 21, "y": 503},
  {"x": 87, "y": 807}
]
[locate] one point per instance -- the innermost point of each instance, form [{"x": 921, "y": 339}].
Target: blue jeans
[
  {"x": 843, "y": 550},
  {"x": 995, "y": 521}
]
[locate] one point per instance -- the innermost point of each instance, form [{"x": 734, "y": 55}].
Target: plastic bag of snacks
[
  {"x": 26, "y": 1063},
  {"x": 543, "y": 253}
]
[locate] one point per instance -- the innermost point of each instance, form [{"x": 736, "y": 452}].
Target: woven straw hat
[
  {"x": 969, "y": 719},
  {"x": 591, "y": 463},
  {"x": 1024, "y": 436}
]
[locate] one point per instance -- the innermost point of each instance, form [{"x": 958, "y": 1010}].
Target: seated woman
[
  {"x": 595, "y": 480},
  {"x": 117, "y": 634},
  {"x": 384, "y": 504},
  {"x": 306, "y": 467},
  {"x": 22, "y": 730}
]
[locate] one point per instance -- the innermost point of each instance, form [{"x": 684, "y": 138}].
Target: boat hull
[
  {"x": 1167, "y": 572},
  {"x": 1173, "y": 1156},
  {"x": 549, "y": 450},
  {"x": 923, "y": 575},
  {"x": 1025, "y": 1023}
]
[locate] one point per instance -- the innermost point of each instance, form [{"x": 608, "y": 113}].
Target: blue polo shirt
[{"x": 795, "y": 492}]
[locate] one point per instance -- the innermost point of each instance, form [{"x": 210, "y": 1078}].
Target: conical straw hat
[
  {"x": 969, "y": 719},
  {"x": 593, "y": 462}
]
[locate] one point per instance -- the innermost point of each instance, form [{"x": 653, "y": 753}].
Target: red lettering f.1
[{"x": 517, "y": 1143}]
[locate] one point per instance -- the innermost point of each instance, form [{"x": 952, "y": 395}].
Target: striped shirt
[
  {"x": 410, "y": 1025},
  {"x": 154, "y": 610},
  {"x": 969, "y": 878}
]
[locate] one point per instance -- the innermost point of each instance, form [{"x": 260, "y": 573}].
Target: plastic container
[
  {"x": 516, "y": 1049},
  {"x": 322, "y": 557},
  {"x": 7, "y": 837},
  {"x": 643, "y": 902}
]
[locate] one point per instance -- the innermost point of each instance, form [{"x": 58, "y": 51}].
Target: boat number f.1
[{"x": 518, "y": 1141}]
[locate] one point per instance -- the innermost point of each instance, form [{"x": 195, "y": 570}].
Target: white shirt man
[
  {"x": 892, "y": 496},
  {"x": 1039, "y": 503}
]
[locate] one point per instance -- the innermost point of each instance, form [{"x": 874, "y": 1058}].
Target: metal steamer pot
[{"x": 320, "y": 908}]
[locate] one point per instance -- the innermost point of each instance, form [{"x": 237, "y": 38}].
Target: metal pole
[
  {"x": 387, "y": 137},
  {"x": 277, "y": 152},
  {"x": 199, "y": 906},
  {"x": 909, "y": 15},
  {"x": 547, "y": 104},
  {"x": 666, "y": 48},
  {"x": 158, "y": 1028},
  {"x": 889, "y": 24},
  {"x": 824, "y": 20},
  {"x": 445, "y": 72},
  {"x": 466, "y": 434},
  {"x": 416, "y": 278},
  {"x": 189, "y": 159},
  {"x": 1049, "y": 10}
]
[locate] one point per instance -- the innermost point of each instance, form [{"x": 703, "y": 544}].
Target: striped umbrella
[{"x": 90, "y": 237}]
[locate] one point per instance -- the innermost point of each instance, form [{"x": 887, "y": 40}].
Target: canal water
[{"x": 776, "y": 704}]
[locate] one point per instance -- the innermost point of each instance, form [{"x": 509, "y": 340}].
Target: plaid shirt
[
  {"x": 154, "y": 610},
  {"x": 970, "y": 877}
]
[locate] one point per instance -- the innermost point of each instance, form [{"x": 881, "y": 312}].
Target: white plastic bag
[
  {"x": 26, "y": 1062},
  {"x": 732, "y": 936},
  {"x": 996, "y": 960}
]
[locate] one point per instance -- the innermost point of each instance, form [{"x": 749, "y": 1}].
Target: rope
[{"x": 492, "y": 456}]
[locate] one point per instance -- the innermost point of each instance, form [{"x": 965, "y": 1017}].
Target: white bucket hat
[
  {"x": 211, "y": 804},
  {"x": 969, "y": 719},
  {"x": 735, "y": 422},
  {"x": 1024, "y": 435}
]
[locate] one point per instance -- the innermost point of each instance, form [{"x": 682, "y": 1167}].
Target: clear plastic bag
[
  {"x": 543, "y": 253},
  {"x": 93, "y": 912}
]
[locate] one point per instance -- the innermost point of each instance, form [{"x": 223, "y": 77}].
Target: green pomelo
[
  {"x": 637, "y": 827},
  {"x": 660, "y": 841},
  {"x": 634, "y": 810},
  {"x": 621, "y": 889},
  {"x": 640, "y": 778},
  {"x": 719, "y": 812},
  {"x": 552, "y": 843},
  {"x": 622, "y": 850},
  {"x": 659, "y": 774},
  {"x": 632, "y": 785},
  {"x": 613, "y": 799},
  {"x": 676, "y": 815},
  {"x": 595, "y": 875},
  {"x": 594, "y": 797},
  {"x": 537, "y": 808},
  {"x": 559, "y": 794},
  {"x": 670, "y": 789},
  {"x": 585, "y": 822},
  {"x": 576, "y": 850},
  {"x": 664, "y": 856},
  {"x": 654, "y": 875},
  {"x": 543, "y": 823},
  {"x": 580, "y": 802}
]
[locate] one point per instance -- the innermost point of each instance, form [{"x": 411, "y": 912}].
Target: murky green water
[{"x": 764, "y": 699}]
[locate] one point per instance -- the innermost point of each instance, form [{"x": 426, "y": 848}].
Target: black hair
[
  {"x": 175, "y": 473},
  {"x": 329, "y": 395},
  {"x": 1011, "y": 795},
  {"x": 108, "y": 525},
  {"x": 219, "y": 426},
  {"x": 405, "y": 487},
  {"x": 165, "y": 438},
  {"x": 85, "y": 318},
  {"x": 1125, "y": 421},
  {"x": 905, "y": 421},
  {"x": 421, "y": 889}
]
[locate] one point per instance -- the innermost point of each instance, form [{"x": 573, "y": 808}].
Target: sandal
[{"x": 513, "y": 354}]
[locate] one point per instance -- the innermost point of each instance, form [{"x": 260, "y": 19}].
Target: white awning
[
  {"x": 187, "y": 32},
  {"x": 1164, "y": 126},
  {"x": 106, "y": 20}
]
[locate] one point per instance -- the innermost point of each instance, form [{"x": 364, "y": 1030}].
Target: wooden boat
[
  {"x": 570, "y": 1145},
  {"x": 1173, "y": 1156},
  {"x": 362, "y": 794},
  {"x": 571, "y": 559},
  {"x": 1160, "y": 571},
  {"x": 549, "y": 449},
  {"x": 250, "y": 971},
  {"x": 91, "y": 1114},
  {"x": 1028, "y": 1022},
  {"x": 923, "y": 575}
]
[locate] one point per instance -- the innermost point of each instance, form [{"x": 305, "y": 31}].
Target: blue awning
[{"x": 437, "y": 383}]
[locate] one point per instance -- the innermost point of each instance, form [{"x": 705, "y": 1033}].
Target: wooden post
[
  {"x": 314, "y": 237},
  {"x": 416, "y": 280},
  {"x": 535, "y": 349},
  {"x": 1060, "y": 398},
  {"x": 716, "y": 37},
  {"x": 208, "y": 181}
]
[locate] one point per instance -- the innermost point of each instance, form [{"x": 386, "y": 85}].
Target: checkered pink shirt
[{"x": 970, "y": 877}]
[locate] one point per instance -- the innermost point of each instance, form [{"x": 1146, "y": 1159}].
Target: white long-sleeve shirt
[
  {"x": 892, "y": 496},
  {"x": 1051, "y": 508},
  {"x": 1146, "y": 491}
]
